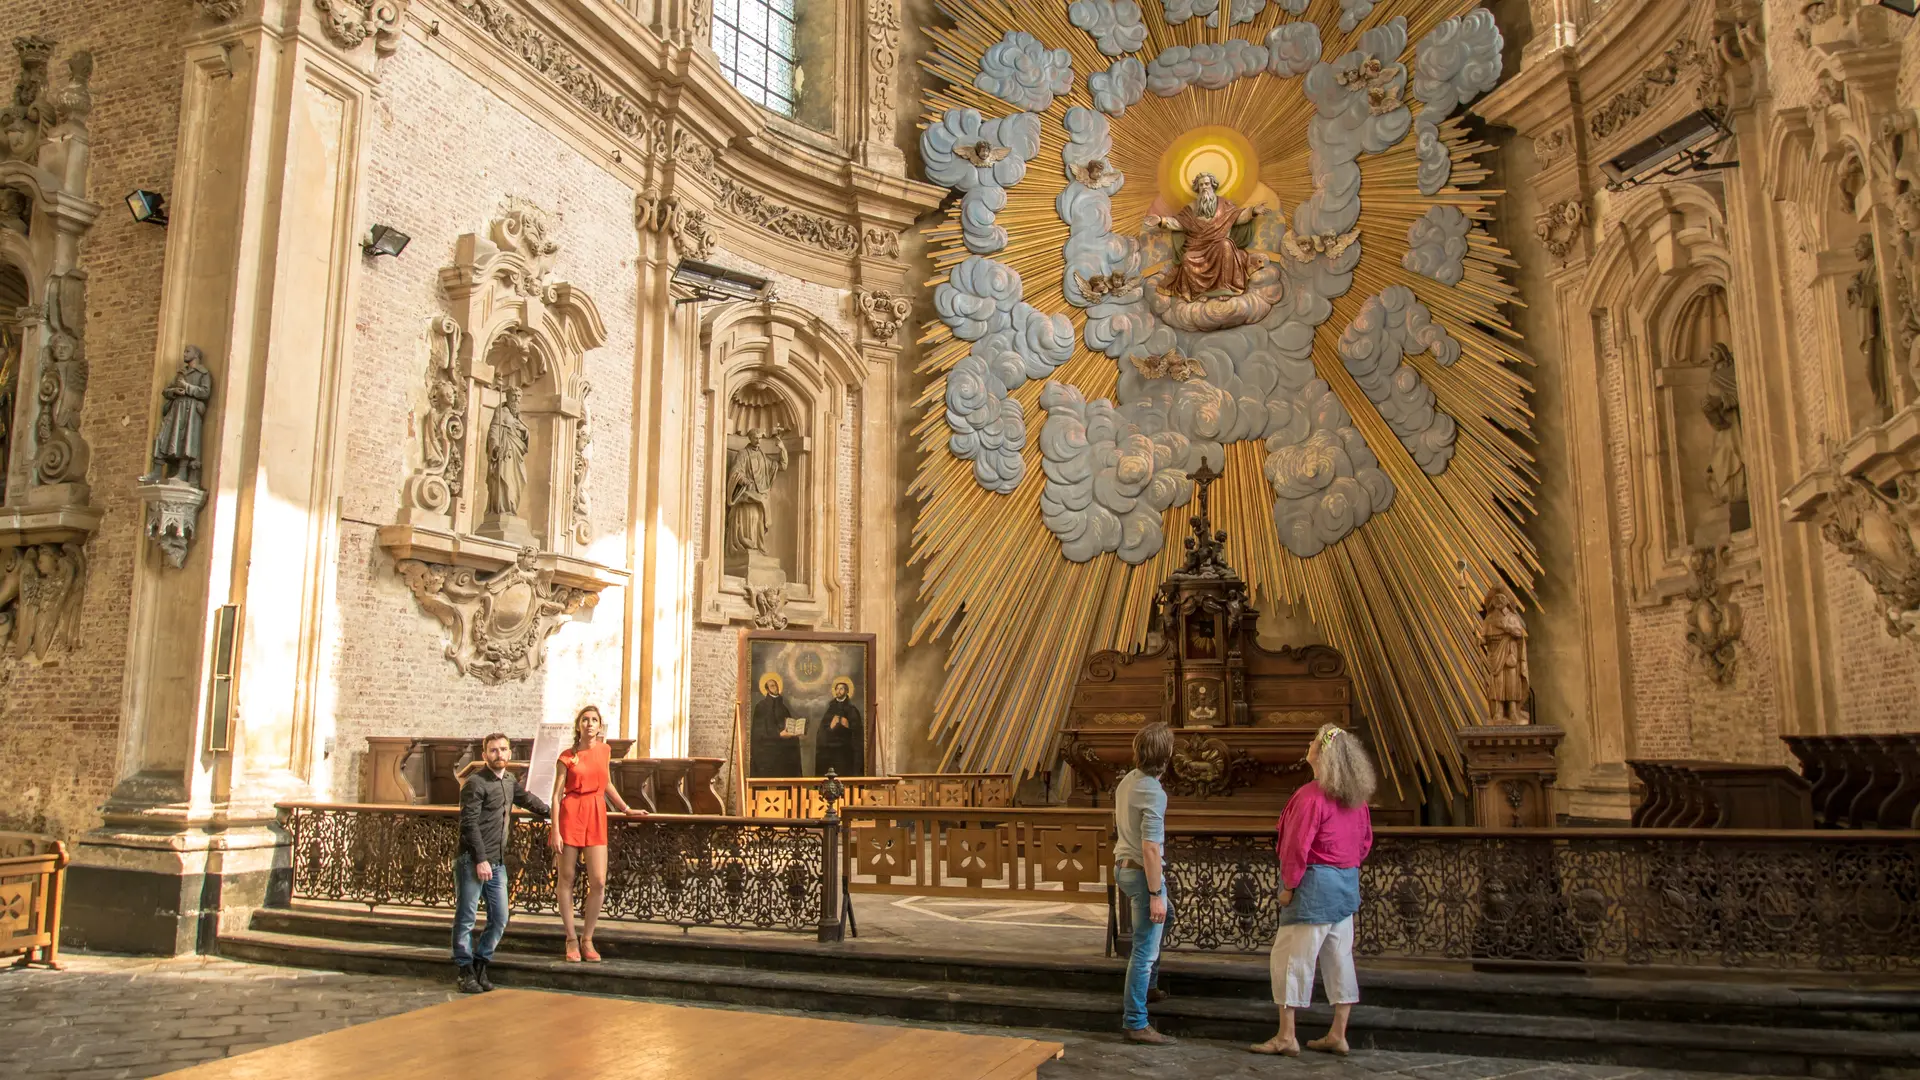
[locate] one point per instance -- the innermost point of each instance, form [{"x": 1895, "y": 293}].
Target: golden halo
[
  {"x": 1215, "y": 149},
  {"x": 770, "y": 680},
  {"x": 843, "y": 681}
]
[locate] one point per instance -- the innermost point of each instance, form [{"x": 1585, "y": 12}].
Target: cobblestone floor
[{"x": 107, "y": 1018}]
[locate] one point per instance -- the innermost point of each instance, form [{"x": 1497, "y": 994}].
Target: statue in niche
[
  {"x": 1726, "y": 466},
  {"x": 1503, "y": 638},
  {"x": 176, "y": 448},
  {"x": 1215, "y": 261},
  {"x": 25, "y": 123},
  {"x": 749, "y": 484},
  {"x": 507, "y": 443},
  {"x": 1863, "y": 296}
]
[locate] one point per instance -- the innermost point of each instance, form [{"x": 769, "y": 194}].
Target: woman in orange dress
[{"x": 580, "y": 794}]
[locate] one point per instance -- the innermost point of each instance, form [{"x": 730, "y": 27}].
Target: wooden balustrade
[
  {"x": 799, "y": 797},
  {"x": 1721, "y": 795},
  {"x": 33, "y": 875},
  {"x": 1861, "y": 781},
  {"x": 955, "y": 789},
  {"x": 704, "y": 870},
  {"x": 1061, "y": 855}
]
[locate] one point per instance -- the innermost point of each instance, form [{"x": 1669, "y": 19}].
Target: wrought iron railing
[
  {"x": 1594, "y": 898},
  {"x": 681, "y": 870}
]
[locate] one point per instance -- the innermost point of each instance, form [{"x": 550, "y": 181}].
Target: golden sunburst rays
[{"x": 1019, "y": 619}]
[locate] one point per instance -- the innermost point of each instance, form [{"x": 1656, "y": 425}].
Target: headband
[{"x": 1326, "y": 740}]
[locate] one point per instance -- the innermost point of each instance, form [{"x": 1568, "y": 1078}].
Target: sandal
[
  {"x": 1275, "y": 1046},
  {"x": 573, "y": 950},
  {"x": 1327, "y": 1044},
  {"x": 587, "y": 950}
]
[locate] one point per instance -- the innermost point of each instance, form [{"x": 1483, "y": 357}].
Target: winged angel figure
[{"x": 982, "y": 154}]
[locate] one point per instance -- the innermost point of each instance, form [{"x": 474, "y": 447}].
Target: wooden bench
[
  {"x": 1861, "y": 781},
  {"x": 33, "y": 877},
  {"x": 1684, "y": 794}
]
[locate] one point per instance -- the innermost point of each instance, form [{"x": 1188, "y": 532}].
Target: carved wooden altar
[{"x": 1243, "y": 715}]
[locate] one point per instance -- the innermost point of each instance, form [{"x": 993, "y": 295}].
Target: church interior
[{"x": 882, "y": 416}]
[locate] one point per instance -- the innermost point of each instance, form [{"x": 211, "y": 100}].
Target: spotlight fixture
[
  {"x": 385, "y": 240},
  {"x": 148, "y": 207},
  {"x": 709, "y": 282},
  {"x": 1909, "y": 8},
  {"x": 1681, "y": 147}
]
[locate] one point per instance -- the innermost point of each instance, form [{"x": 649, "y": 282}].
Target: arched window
[{"x": 755, "y": 41}]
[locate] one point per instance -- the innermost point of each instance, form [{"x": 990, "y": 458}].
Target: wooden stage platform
[{"x": 530, "y": 1035}]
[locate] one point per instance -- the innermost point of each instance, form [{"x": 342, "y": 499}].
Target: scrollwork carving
[
  {"x": 437, "y": 485},
  {"x": 1683, "y": 56},
  {"x": 1880, "y": 536},
  {"x": 883, "y": 55},
  {"x": 498, "y": 624},
  {"x": 349, "y": 23},
  {"x": 687, "y": 226},
  {"x": 1713, "y": 620},
  {"x": 60, "y": 451},
  {"x": 884, "y": 311},
  {"x": 769, "y": 605},
  {"x": 1553, "y": 146},
  {"x": 1558, "y": 227},
  {"x": 582, "y": 461}
]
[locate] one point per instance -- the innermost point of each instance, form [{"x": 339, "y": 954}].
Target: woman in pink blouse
[{"x": 1325, "y": 834}]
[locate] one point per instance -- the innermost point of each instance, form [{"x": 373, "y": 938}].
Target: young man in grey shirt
[{"x": 1139, "y": 825}]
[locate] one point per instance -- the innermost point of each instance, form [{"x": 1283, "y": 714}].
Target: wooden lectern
[{"x": 1512, "y": 769}]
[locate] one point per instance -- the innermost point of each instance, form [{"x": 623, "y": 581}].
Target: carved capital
[
  {"x": 885, "y": 312},
  {"x": 349, "y": 23},
  {"x": 173, "y": 513},
  {"x": 689, "y": 227}
]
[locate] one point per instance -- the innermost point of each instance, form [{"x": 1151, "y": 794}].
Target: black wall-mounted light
[
  {"x": 1684, "y": 146},
  {"x": 148, "y": 207},
  {"x": 1909, "y": 8},
  {"x": 385, "y": 240}
]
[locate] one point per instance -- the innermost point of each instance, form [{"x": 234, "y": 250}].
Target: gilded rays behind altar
[{"x": 1255, "y": 245}]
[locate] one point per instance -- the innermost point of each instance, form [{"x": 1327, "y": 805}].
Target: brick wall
[
  {"x": 445, "y": 153},
  {"x": 60, "y": 725}
]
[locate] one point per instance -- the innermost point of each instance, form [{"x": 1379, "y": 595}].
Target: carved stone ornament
[
  {"x": 769, "y": 606},
  {"x": 438, "y": 483},
  {"x": 1713, "y": 620},
  {"x": 1209, "y": 768},
  {"x": 688, "y": 226},
  {"x": 582, "y": 461},
  {"x": 42, "y": 590},
  {"x": 1684, "y": 56},
  {"x": 61, "y": 453},
  {"x": 1559, "y": 226},
  {"x": 497, "y": 623},
  {"x": 885, "y": 312},
  {"x": 172, "y": 490},
  {"x": 350, "y": 22},
  {"x": 1880, "y": 536},
  {"x": 1553, "y": 146},
  {"x": 219, "y": 10},
  {"x": 883, "y": 56}
]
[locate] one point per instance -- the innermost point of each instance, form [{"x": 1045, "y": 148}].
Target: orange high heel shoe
[
  {"x": 573, "y": 950},
  {"x": 587, "y": 950}
]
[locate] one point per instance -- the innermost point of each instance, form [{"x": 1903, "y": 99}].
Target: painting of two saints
[{"x": 810, "y": 705}]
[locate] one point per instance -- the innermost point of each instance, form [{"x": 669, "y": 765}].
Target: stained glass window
[{"x": 754, "y": 41}]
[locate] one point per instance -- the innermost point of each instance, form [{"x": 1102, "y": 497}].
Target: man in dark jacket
[{"x": 487, "y": 800}]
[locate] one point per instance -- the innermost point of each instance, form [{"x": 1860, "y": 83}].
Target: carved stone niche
[
  {"x": 46, "y": 510},
  {"x": 495, "y": 533},
  {"x": 777, "y": 385}
]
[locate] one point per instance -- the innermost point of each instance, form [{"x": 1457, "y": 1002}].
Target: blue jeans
[
  {"x": 1146, "y": 945},
  {"x": 468, "y": 890}
]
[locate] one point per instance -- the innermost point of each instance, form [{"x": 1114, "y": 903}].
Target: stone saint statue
[
  {"x": 1863, "y": 296},
  {"x": 1503, "y": 637},
  {"x": 1726, "y": 468},
  {"x": 748, "y": 484},
  {"x": 1211, "y": 263},
  {"x": 507, "y": 442},
  {"x": 176, "y": 447}
]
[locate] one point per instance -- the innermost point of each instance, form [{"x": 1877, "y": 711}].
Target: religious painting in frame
[{"x": 806, "y": 704}]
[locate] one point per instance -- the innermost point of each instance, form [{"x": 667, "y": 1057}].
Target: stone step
[
  {"x": 1750, "y": 1004},
  {"x": 1851, "y": 1055}
]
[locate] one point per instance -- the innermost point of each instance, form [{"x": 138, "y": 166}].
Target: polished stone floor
[{"x": 114, "y": 1017}]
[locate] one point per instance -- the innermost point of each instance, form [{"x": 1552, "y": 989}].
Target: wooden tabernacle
[{"x": 528, "y": 1034}]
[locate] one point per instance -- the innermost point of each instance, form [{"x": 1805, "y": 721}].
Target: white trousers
[{"x": 1297, "y": 947}]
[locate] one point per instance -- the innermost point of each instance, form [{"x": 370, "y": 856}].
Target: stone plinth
[{"x": 1512, "y": 769}]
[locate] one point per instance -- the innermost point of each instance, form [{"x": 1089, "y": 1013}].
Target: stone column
[
  {"x": 660, "y": 540},
  {"x": 262, "y": 258},
  {"x": 886, "y": 326},
  {"x": 879, "y": 72}
]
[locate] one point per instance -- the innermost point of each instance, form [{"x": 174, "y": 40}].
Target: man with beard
[
  {"x": 1211, "y": 261},
  {"x": 776, "y": 752},
  {"x": 842, "y": 744}
]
